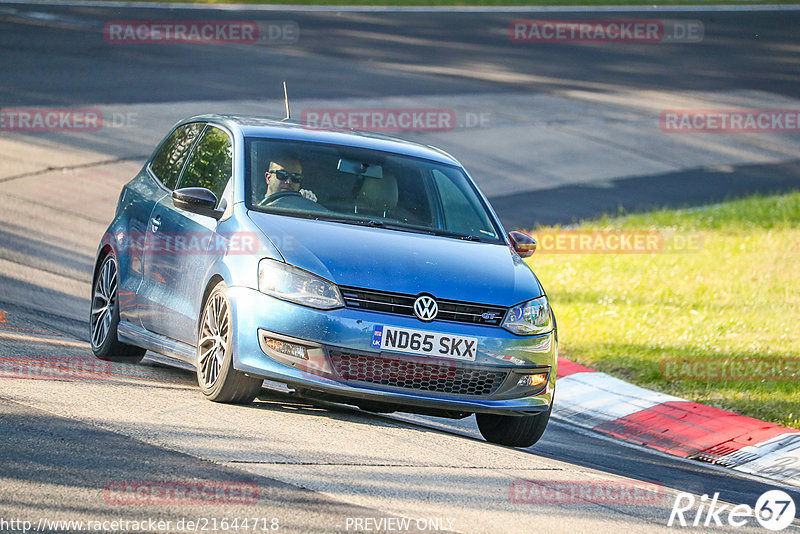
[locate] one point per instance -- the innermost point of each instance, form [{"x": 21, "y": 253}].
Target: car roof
[{"x": 251, "y": 126}]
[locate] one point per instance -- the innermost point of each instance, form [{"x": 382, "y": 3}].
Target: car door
[
  {"x": 138, "y": 199},
  {"x": 183, "y": 242}
]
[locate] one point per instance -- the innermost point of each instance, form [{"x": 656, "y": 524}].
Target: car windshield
[{"x": 365, "y": 187}]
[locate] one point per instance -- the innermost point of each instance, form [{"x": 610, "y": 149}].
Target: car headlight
[
  {"x": 285, "y": 282},
  {"x": 532, "y": 317}
]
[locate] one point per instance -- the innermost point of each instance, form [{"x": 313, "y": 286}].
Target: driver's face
[{"x": 274, "y": 185}]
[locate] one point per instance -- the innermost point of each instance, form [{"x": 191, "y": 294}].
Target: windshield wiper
[
  {"x": 404, "y": 228},
  {"x": 463, "y": 237},
  {"x": 345, "y": 220},
  {"x": 374, "y": 223}
]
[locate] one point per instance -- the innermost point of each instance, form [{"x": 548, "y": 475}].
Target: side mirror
[
  {"x": 523, "y": 244},
  {"x": 197, "y": 200}
]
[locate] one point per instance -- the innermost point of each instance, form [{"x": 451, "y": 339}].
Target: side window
[
  {"x": 167, "y": 163},
  {"x": 211, "y": 162},
  {"x": 459, "y": 212}
]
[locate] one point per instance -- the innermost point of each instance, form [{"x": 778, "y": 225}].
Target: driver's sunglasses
[{"x": 282, "y": 175}]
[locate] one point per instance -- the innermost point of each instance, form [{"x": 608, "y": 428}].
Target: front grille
[
  {"x": 402, "y": 304},
  {"x": 438, "y": 377}
]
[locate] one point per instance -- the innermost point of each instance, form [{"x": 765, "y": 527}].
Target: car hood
[{"x": 401, "y": 262}]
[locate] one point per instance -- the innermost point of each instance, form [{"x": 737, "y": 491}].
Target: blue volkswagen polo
[{"x": 352, "y": 267}]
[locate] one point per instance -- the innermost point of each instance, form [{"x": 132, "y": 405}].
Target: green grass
[
  {"x": 486, "y": 2},
  {"x": 735, "y": 297}
]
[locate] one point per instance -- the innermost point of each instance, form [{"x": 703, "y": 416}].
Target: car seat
[{"x": 377, "y": 196}]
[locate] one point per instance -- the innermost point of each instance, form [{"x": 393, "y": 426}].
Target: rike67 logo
[{"x": 774, "y": 510}]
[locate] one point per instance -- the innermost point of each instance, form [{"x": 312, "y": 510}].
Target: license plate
[{"x": 424, "y": 343}]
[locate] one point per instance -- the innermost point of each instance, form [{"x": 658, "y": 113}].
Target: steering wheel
[{"x": 275, "y": 196}]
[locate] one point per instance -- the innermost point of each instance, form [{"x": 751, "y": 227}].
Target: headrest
[{"x": 377, "y": 194}]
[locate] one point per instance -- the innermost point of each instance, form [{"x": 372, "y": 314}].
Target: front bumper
[{"x": 342, "y": 363}]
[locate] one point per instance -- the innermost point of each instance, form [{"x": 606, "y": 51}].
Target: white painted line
[
  {"x": 777, "y": 458},
  {"x": 46, "y": 18},
  {"x": 787, "y": 441},
  {"x": 590, "y": 399},
  {"x": 413, "y": 9},
  {"x": 688, "y": 461}
]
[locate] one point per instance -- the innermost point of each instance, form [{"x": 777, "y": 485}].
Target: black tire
[
  {"x": 104, "y": 317},
  {"x": 513, "y": 431},
  {"x": 218, "y": 380}
]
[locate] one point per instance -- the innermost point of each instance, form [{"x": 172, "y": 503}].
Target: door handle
[{"x": 155, "y": 223}]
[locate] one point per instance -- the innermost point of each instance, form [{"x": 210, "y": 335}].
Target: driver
[{"x": 286, "y": 174}]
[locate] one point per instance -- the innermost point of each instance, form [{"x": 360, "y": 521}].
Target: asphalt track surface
[
  {"x": 376, "y": 54},
  {"x": 68, "y": 434},
  {"x": 57, "y": 56}
]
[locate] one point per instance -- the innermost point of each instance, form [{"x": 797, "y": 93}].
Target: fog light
[
  {"x": 533, "y": 381},
  {"x": 290, "y": 349}
]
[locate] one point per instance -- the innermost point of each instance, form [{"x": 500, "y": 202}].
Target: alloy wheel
[
  {"x": 103, "y": 301},
  {"x": 213, "y": 339}
]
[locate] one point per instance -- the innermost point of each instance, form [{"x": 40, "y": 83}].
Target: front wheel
[
  {"x": 104, "y": 317},
  {"x": 513, "y": 431},
  {"x": 218, "y": 380}
]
